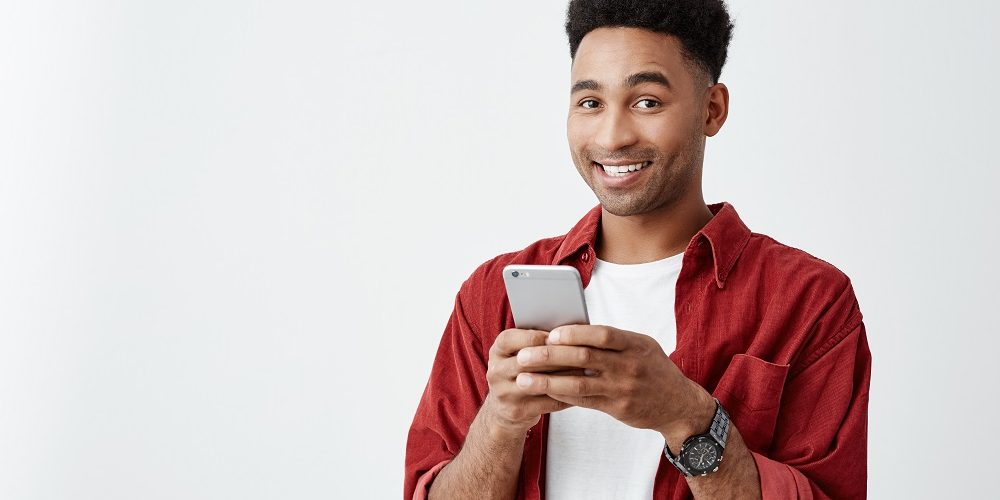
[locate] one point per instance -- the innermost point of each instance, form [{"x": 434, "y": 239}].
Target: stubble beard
[{"x": 670, "y": 179}]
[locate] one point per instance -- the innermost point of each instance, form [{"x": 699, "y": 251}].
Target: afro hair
[{"x": 702, "y": 26}]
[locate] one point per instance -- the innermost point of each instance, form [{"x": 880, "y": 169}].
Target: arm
[
  {"x": 629, "y": 377},
  {"x": 805, "y": 417},
  {"x": 820, "y": 441},
  {"x": 487, "y": 466},
  {"x": 448, "y": 405},
  {"x": 490, "y": 461},
  {"x": 818, "y": 448},
  {"x": 457, "y": 449},
  {"x": 737, "y": 475}
]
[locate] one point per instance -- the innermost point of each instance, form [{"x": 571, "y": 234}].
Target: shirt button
[{"x": 586, "y": 256}]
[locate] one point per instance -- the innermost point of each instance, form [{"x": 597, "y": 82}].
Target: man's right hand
[{"x": 507, "y": 405}]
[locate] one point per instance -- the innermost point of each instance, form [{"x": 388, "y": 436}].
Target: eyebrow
[
  {"x": 632, "y": 81},
  {"x": 647, "y": 77},
  {"x": 585, "y": 85}
]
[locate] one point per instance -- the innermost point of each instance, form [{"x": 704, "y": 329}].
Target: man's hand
[
  {"x": 628, "y": 376},
  {"x": 508, "y": 406}
]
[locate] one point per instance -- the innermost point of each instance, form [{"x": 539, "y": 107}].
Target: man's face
[{"x": 636, "y": 101}]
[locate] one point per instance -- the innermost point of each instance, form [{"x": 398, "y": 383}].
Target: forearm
[
  {"x": 487, "y": 467},
  {"x": 737, "y": 475}
]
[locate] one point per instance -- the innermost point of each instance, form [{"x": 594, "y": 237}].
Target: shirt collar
[{"x": 725, "y": 233}]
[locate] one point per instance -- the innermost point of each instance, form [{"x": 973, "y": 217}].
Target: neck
[{"x": 654, "y": 235}]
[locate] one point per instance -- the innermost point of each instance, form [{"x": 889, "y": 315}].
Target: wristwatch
[{"x": 701, "y": 454}]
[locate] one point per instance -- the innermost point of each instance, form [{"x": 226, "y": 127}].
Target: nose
[{"x": 616, "y": 130}]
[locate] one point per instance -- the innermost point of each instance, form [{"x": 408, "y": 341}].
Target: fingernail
[
  {"x": 524, "y": 356},
  {"x": 524, "y": 380},
  {"x": 554, "y": 336}
]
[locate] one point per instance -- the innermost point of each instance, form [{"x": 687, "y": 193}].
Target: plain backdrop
[{"x": 231, "y": 232}]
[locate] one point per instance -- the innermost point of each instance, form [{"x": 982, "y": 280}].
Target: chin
[
  {"x": 622, "y": 208},
  {"x": 627, "y": 207}
]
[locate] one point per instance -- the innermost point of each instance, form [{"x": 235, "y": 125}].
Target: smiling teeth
[{"x": 622, "y": 170}]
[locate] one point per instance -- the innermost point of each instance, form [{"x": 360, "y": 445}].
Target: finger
[
  {"x": 529, "y": 407},
  {"x": 547, "y": 404},
  {"x": 600, "y": 336},
  {"x": 561, "y": 371},
  {"x": 508, "y": 368},
  {"x": 514, "y": 339},
  {"x": 560, "y": 385},
  {"x": 549, "y": 357},
  {"x": 594, "y": 402}
]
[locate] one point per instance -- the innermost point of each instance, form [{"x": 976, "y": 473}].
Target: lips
[
  {"x": 622, "y": 175},
  {"x": 622, "y": 170}
]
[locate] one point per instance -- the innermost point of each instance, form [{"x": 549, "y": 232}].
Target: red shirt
[{"x": 773, "y": 332}]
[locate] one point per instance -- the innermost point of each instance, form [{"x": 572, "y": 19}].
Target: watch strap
[{"x": 718, "y": 431}]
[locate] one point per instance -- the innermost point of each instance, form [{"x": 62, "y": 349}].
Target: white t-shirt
[{"x": 589, "y": 453}]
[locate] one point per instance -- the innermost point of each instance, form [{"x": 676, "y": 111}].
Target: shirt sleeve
[
  {"x": 820, "y": 443},
  {"x": 450, "y": 401}
]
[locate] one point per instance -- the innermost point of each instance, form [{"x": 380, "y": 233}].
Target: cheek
[
  {"x": 667, "y": 135},
  {"x": 574, "y": 139},
  {"x": 578, "y": 132}
]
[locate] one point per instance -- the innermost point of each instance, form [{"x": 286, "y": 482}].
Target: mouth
[{"x": 622, "y": 170}]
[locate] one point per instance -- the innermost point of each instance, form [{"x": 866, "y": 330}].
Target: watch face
[{"x": 702, "y": 455}]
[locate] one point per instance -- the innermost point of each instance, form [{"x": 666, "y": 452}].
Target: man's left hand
[{"x": 630, "y": 378}]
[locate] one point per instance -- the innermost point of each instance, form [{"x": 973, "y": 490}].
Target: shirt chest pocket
[{"x": 750, "y": 389}]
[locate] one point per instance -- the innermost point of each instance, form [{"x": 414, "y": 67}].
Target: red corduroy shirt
[{"x": 773, "y": 332}]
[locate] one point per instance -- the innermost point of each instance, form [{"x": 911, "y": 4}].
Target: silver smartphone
[{"x": 544, "y": 297}]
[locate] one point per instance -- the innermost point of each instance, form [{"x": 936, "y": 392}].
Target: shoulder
[
  {"x": 779, "y": 262},
  {"x": 805, "y": 290}
]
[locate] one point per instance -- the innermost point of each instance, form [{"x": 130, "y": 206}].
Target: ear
[{"x": 716, "y": 108}]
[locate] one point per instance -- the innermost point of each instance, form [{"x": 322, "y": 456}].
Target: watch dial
[{"x": 702, "y": 456}]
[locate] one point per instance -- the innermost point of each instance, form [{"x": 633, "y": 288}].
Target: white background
[{"x": 231, "y": 231}]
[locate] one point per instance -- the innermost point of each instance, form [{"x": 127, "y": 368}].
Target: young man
[{"x": 765, "y": 391}]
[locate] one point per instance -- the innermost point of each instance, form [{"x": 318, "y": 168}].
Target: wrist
[
  {"x": 696, "y": 418},
  {"x": 499, "y": 428}
]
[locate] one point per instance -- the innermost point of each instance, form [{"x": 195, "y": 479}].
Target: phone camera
[{"x": 515, "y": 274}]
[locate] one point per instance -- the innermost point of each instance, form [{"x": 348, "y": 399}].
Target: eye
[
  {"x": 589, "y": 104},
  {"x": 647, "y": 103}
]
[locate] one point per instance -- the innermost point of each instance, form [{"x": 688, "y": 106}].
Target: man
[{"x": 765, "y": 391}]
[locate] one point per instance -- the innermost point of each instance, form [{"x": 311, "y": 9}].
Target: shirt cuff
[
  {"x": 424, "y": 482},
  {"x": 779, "y": 481}
]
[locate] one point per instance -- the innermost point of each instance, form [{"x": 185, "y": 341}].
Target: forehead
[{"x": 609, "y": 55}]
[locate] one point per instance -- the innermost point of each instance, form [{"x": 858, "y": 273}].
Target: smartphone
[{"x": 544, "y": 297}]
